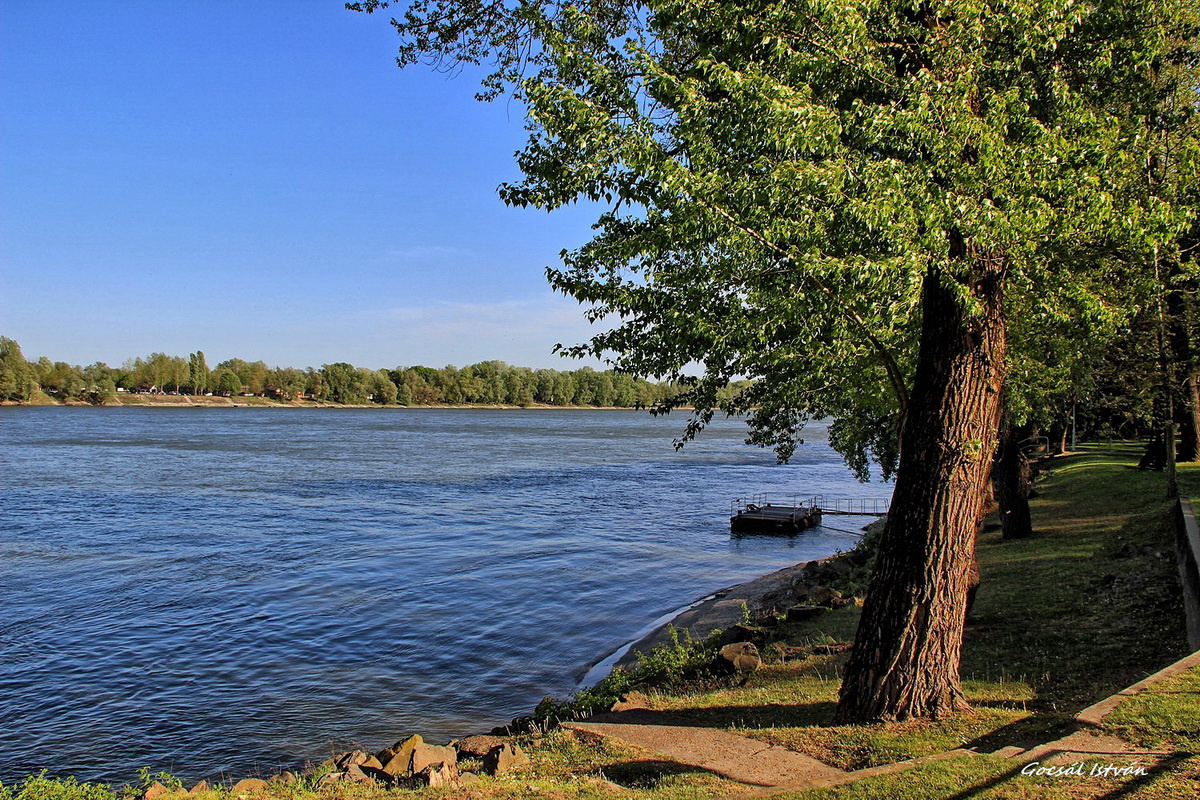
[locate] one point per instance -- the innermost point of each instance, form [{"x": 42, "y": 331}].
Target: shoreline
[{"x": 720, "y": 609}]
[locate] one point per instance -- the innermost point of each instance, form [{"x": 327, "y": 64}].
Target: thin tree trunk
[
  {"x": 905, "y": 659},
  {"x": 1011, "y": 478}
]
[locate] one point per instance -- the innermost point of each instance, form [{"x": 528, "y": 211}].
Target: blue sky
[{"x": 258, "y": 179}]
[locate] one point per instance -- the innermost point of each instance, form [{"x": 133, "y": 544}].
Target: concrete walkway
[{"x": 738, "y": 758}]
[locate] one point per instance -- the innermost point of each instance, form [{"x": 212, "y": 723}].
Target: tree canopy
[{"x": 847, "y": 201}]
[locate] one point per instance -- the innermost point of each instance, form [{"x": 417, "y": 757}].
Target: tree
[
  {"x": 16, "y": 376},
  {"x": 378, "y": 386},
  {"x": 518, "y": 387},
  {"x": 102, "y": 388},
  {"x": 253, "y": 375},
  {"x": 835, "y": 200},
  {"x": 198, "y": 375},
  {"x": 343, "y": 384},
  {"x": 227, "y": 382},
  {"x": 286, "y": 383},
  {"x": 314, "y": 384}
]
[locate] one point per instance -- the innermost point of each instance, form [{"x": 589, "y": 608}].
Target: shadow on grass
[
  {"x": 799, "y": 715},
  {"x": 1126, "y": 789},
  {"x": 977, "y": 789},
  {"x": 645, "y": 774},
  {"x": 1025, "y": 733},
  {"x": 1161, "y": 769}
]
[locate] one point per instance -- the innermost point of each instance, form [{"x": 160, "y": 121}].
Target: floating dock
[
  {"x": 759, "y": 516},
  {"x": 779, "y": 520}
]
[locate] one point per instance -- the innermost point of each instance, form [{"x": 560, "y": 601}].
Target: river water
[{"x": 234, "y": 591}]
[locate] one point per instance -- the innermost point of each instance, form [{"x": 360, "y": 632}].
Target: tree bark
[
  {"x": 1011, "y": 475},
  {"x": 905, "y": 659},
  {"x": 1187, "y": 421},
  {"x": 1186, "y": 398}
]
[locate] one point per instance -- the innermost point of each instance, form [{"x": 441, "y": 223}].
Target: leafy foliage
[
  {"x": 666, "y": 666},
  {"x": 40, "y": 787},
  {"x": 780, "y": 177}
]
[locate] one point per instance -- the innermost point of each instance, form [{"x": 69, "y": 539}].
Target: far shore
[{"x": 205, "y": 401}]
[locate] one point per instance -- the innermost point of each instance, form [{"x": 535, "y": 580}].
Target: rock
[
  {"x": 804, "y": 613},
  {"x": 355, "y": 774},
  {"x": 287, "y": 778},
  {"x": 438, "y": 776},
  {"x": 740, "y": 633},
  {"x": 800, "y": 590},
  {"x": 822, "y": 595},
  {"x": 155, "y": 790},
  {"x": 425, "y": 756},
  {"x": 816, "y": 572},
  {"x": 396, "y": 759},
  {"x": 330, "y": 778},
  {"x": 354, "y": 758},
  {"x": 468, "y": 778},
  {"x": 840, "y": 566},
  {"x": 504, "y": 759},
  {"x": 202, "y": 786},
  {"x": 476, "y": 746},
  {"x": 523, "y": 724},
  {"x": 741, "y": 657},
  {"x": 249, "y": 786},
  {"x": 630, "y": 701},
  {"x": 787, "y": 653}
]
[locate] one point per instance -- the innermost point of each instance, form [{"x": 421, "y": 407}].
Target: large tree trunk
[
  {"x": 1186, "y": 394},
  {"x": 1011, "y": 477},
  {"x": 1187, "y": 421},
  {"x": 906, "y": 654}
]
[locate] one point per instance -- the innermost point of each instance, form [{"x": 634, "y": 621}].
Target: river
[{"x": 234, "y": 591}]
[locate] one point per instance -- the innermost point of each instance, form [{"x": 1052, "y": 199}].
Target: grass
[
  {"x": 1164, "y": 716},
  {"x": 1087, "y": 606}
]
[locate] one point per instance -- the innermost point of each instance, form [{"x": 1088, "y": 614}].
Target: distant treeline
[{"x": 486, "y": 383}]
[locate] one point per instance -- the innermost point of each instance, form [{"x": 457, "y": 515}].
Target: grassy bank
[{"x": 1088, "y": 606}]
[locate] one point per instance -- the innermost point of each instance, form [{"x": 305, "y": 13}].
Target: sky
[{"x": 259, "y": 180}]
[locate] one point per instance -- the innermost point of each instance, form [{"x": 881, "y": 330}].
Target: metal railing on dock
[{"x": 862, "y": 506}]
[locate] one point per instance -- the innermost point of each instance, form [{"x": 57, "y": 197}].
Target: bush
[{"x": 664, "y": 667}]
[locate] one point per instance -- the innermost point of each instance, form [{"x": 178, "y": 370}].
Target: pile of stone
[
  {"x": 812, "y": 593},
  {"x": 409, "y": 763},
  {"x": 413, "y": 763},
  {"x": 243, "y": 788}
]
